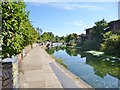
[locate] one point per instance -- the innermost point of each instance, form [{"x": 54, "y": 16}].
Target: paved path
[
  {"x": 65, "y": 81},
  {"x": 39, "y": 70},
  {"x": 36, "y": 71}
]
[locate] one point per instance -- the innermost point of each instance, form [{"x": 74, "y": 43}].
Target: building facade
[
  {"x": 89, "y": 33},
  {"x": 114, "y": 26}
]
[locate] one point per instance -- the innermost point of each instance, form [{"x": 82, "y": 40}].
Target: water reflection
[
  {"x": 102, "y": 66},
  {"x": 53, "y": 49}
]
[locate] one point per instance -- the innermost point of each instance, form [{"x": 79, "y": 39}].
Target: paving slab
[{"x": 36, "y": 84}]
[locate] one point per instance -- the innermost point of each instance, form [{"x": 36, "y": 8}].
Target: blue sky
[{"x": 63, "y": 18}]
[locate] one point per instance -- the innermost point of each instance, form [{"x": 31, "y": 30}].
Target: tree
[
  {"x": 71, "y": 37},
  {"x": 57, "y": 38},
  {"x": 12, "y": 15},
  {"x": 47, "y": 36},
  {"x": 17, "y": 31},
  {"x": 39, "y": 30},
  {"x": 0, "y": 15},
  {"x": 99, "y": 29},
  {"x": 111, "y": 44},
  {"x": 62, "y": 39}
]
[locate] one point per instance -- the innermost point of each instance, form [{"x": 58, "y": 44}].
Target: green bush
[
  {"x": 90, "y": 45},
  {"x": 17, "y": 31},
  {"x": 111, "y": 44}
]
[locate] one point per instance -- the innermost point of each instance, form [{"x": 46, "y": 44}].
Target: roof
[
  {"x": 88, "y": 29},
  {"x": 115, "y": 21}
]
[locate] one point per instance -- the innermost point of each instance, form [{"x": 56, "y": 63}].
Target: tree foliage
[
  {"x": 47, "y": 36},
  {"x": 39, "y": 30},
  {"x": 71, "y": 37},
  {"x": 99, "y": 29},
  {"x": 97, "y": 36},
  {"x": 17, "y": 31},
  {"x": 0, "y": 22},
  {"x": 111, "y": 44}
]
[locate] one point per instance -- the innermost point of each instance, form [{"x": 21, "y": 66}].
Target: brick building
[
  {"x": 89, "y": 34},
  {"x": 81, "y": 38},
  {"x": 114, "y": 26}
]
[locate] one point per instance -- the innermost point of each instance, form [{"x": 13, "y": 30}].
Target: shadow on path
[{"x": 64, "y": 80}]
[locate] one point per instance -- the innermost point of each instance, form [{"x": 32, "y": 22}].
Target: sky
[{"x": 63, "y": 18}]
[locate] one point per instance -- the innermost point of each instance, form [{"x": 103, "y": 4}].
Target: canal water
[{"x": 99, "y": 72}]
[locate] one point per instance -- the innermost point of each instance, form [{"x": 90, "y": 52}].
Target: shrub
[{"x": 111, "y": 44}]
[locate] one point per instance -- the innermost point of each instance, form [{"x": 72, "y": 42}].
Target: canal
[{"x": 99, "y": 72}]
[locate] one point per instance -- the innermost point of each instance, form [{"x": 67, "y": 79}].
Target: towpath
[{"x": 39, "y": 70}]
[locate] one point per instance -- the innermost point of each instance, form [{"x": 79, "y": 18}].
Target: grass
[{"x": 59, "y": 60}]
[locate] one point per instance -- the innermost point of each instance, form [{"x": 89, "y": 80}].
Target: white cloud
[
  {"x": 69, "y": 6},
  {"x": 81, "y": 24},
  {"x": 61, "y": 5},
  {"x": 78, "y": 23},
  {"x": 86, "y": 6},
  {"x": 71, "y": 0}
]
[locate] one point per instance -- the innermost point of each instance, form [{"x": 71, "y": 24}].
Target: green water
[{"x": 99, "y": 72}]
